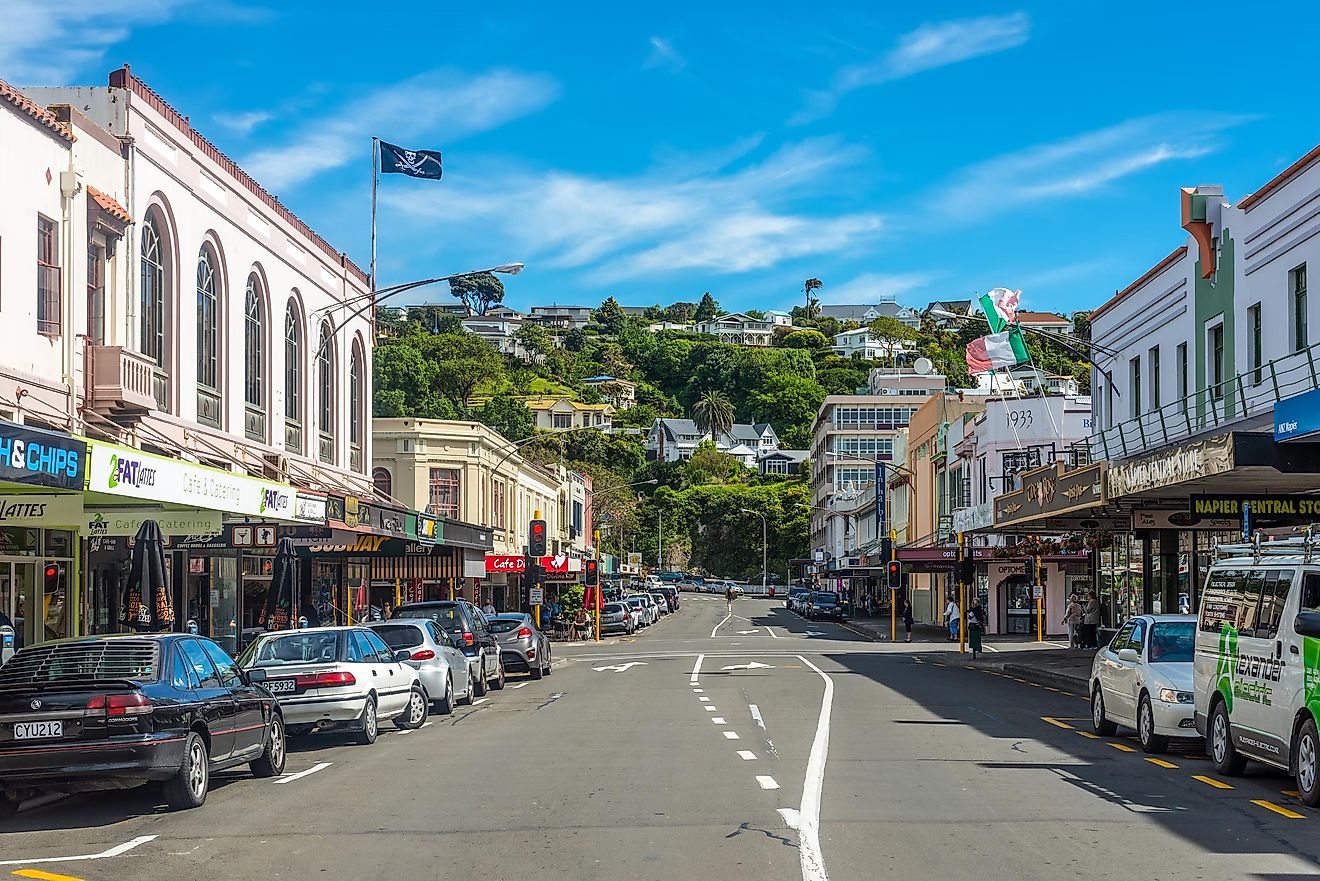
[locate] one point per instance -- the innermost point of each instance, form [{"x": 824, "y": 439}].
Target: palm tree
[
  {"x": 811, "y": 284},
  {"x": 713, "y": 413}
]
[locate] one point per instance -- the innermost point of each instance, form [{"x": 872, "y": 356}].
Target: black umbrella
[
  {"x": 278, "y": 607},
  {"x": 148, "y": 603}
]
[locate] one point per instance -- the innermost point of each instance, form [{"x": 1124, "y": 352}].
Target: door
[
  {"x": 214, "y": 705},
  {"x": 457, "y": 661},
  {"x": 486, "y": 639},
  {"x": 1273, "y": 718},
  {"x": 249, "y": 717},
  {"x": 398, "y": 677},
  {"x": 19, "y": 608},
  {"x": 1125, "y": 674},
  {"x": 1298, "y": 681},
  {"x": 1108, "y": 656}
]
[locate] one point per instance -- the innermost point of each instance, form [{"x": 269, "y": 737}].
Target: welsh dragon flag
[
  {"x": 987, "y": 353},
  {"x": 1000, "y": 308}
]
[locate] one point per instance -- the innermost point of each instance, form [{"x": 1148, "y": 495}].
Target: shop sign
[
  {"x": 1229, "y": 507},
  {"x": 1298, "y": 417},
  {"x": 506, "y": 563},
  {"x": 1203, "y": 458},
  {"x": 309, "y": 508},
  {"x": 335, "y": 508},
  {"x": 560, "y": 564},
  {"x": 428, "y": 527},
  {"x": 386, "y": 521},
  {"x": 1050, "y": 492},
  {"x": 52, "y": 509},
  {"x": 127, "y": 521},
  {"x": 980, "y": 516},
  {"x": 41, "y": 458},
  {"x": 351, "y": 512},
  {"x": 1157, "y": 519},
  {"x": 124, "y": 471}
]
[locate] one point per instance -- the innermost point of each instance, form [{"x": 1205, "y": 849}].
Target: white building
[
  {"x": 671, "y": 440},
  {"x": 885, "y": 306},
  {"x": 216, "y": 325},
  {"x": 498, "y": 331},
  {"x": 565, "y": 414},
  {"x": 621, "y": 393},
  {"x": 860, "y": 344},
  {"x": 740, "y": 329}
]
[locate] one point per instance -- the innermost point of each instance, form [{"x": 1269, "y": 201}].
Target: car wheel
[
  {"x": 1150, "y": 741},
  {"x": 8, "y": 805},
  {"x": 445, "y": 705},
  {"x": 497, "y": 684},
  {"x": 466, "y": 699},
  {"x": 1099, "y": 722},
  {"x": 271, "y": 761},
  {"x": 479, "y": 679},
  {"x": 549, "y": 663},
  {"x": 415, "y": 715},
  {"x": 187, "y": 788},
  {"x": 1308, "y": 764},
  {"x": 537, "y": 672},
  {"x": 367, "y": 735},
  {"x": 1222, "y": 752}
]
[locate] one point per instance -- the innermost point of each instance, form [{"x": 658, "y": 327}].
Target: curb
[{"x": 1073, "y": 684}]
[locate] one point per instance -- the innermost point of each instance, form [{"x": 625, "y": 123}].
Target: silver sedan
[
  {"x": 523, "y": 648},
  {"x": 442, "y": 666}
]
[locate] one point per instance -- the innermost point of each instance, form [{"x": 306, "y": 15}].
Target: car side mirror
[
  {"x": 1130, "y": 655},
  {"x": 1307, "y": 623},
  {"x": 255, "y": 675},
  {"x": 402, "y": 655}
]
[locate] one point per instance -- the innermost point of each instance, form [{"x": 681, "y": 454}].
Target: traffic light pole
[
  {"x": 595, "y": 552},
  {"x": 962, "y": 600},
  {"x": 535, "y": 551}
]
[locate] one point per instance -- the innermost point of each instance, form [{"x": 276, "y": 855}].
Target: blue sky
[{"x": 920, "y": 150}]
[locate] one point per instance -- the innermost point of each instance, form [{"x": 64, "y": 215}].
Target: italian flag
[
  {"x": 987, "y": 353},
  {"x": 1000, "y": 307}
]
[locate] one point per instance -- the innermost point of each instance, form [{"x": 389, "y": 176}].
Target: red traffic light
[
  {"x": 592, "y": 570},
  {"x": 894, "y": 574},
  {"x": 52, "y": 571},
  {"x": 536, "y": 544}
]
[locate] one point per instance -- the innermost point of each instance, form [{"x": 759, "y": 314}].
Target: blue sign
[
  {"x": 1298, "y": 417},
  {"x": 44, "y": 458},
  {"x": 881, "y": 500}
]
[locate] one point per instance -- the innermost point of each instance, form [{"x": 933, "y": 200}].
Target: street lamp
[{"x": 765, "y": 548}]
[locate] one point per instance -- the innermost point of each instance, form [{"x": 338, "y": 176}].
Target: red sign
[
  {"x": 555, "y": 565},
  {"x": 506, "y": 563}
]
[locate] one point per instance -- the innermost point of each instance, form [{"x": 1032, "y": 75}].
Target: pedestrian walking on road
[
  {"x": 1072, "y": 616},
  {"x": 728, "y": 598},
  {"x": 975, "y": 626},
  {"x": 870, "y": 604},
  {"x": 951, "y": 617},
  {"x": 907, "y": 619},
  {"x": 1090, "y": 621}
]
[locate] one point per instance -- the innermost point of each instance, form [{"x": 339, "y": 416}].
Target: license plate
[
  {"x": 280, "y": 686},
  {"x": 30, "y": 730}
]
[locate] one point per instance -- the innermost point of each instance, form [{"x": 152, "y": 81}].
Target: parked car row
[
  {"x": 816, "y": 605},
  {"x": 117, "y": 711},
  {"x": 638, "y": 611}
]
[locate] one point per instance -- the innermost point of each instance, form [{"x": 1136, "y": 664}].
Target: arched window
[
  {"x": 293, "y": 378},
  {"x": 383, "y": 482},
  {"x": 254, "y": 352},
  {"x": 325, "y": 395},
  {"x": 208, "y": 349},
  {"x": 151, "y": 340},
  {"x": 355, "y": 410}
]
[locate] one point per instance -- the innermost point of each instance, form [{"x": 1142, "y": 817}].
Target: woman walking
[
  {"x": 1090, "y": 621},
  {"x": 975, "y": 626},
  {"x": 1072, "y": 616},
  {"x": 907, "y": 619}
]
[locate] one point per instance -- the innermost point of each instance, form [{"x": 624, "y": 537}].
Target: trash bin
[{"x": 6, "y": 644}]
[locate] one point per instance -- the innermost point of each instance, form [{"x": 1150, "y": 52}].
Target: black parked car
[
  {"x": 471, "y": 633},
  {"x": 111, "y": 712},
  {"x": 825, "y": 604}
]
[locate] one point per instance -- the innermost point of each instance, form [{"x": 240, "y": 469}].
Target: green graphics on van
[{"x": 1243, "y": 676}]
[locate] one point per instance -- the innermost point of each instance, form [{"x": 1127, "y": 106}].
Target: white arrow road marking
[
  {"x": 105, "y": 854},
  {"x": 745, "y": 632},
  {"x": 754, "y": 665},
  {"x": 766, "y": 782},
  {"x": 319, "y": 766},
  {"x": 619, "y": 668},
  {"x": 814, "y": 633}
]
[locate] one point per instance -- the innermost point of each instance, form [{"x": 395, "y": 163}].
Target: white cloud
[
  {"x": 663, "y": 54},
  {"x": 48, "y": 42},
  {"x": 654, "y": 223},
  {"x": 868, "y": 287},
  {"x": 243, "y": 123},
  {"x": 441, "y": 106},
  {"x": 928, "y": 47}
]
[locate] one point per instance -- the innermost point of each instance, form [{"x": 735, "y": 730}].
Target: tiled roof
[
  {"x": 31, "y": 108},
  {"x": 109, "y": 205},
  {"x": 1042, "y": 318}
]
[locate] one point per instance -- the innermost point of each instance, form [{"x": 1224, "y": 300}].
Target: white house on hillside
[
  {"x": 735, "y": 327},
  {"x": 671, "y": 440},
  {"x": 859, "y": 343}
]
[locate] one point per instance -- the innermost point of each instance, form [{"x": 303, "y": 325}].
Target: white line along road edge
[
  {"x": 806, "y": 819},
  {"x": 105, "y": 854},
  {"x": 696, "y": 669},
  {"x": 319, "y": 766},
  {"x": 721, "y": 624}
]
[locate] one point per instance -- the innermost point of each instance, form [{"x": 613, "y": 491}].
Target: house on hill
[
  {"x": 739, "y": 328},
  {"x": 672, "y": 440},
  {"x": 564, "y": 414}
]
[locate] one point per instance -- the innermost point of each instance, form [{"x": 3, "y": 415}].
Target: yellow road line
[
  {"x": 1089, "y": 735},
  {"x": 43, "y": 876},
  {"x": 1161, "y": 763},
  {"x": 1291, "y": 793},
  {"x": 1055, "y": 690},
  {"x": 792, "y": 666},
  {"x": 1122, "y": 746},
  {"x": 1281, "y": 811},
  {"x": 1210, "y": 781},
  {"x": 1056, "y": 722}
]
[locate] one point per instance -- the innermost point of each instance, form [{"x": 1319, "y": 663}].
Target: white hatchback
[{"x": 1143, "y": 680}]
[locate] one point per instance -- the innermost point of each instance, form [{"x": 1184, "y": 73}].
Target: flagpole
[{"x": 375, "y": 175}]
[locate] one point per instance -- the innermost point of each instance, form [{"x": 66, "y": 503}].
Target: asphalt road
[{"x": 711, "y": 747}]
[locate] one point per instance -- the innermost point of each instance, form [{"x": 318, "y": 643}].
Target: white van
[{"x": 1256, "y": 672}]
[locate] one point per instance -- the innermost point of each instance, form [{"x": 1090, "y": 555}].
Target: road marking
[
  {"x": 479, "y": 701},
  {"x": 428, "y": 724},
  {"x": 1210, "y": 781},
  {"x": 696, "y": 669},
  {"x": 1281, "y": 811},
  {"x": 792, "y": 666},
  {"x": 396, "y": 734},
  {"x": 1056, "y": 722},
  {"x": 1089, "y": 735},
  {"x": 754, "y": 665},
  {"x": 520, "y": 685},
  {"x": 1291, "y": 793},
  {"x": 808, "y": 819},
  {"x": 1055, "y": 690},
  {"x": 718, "y": 720},
  {"x": 813, "y": 633},
  {"x": 721, "y": 624},
  {"x": 1161, "y": 763},
  {"x": 791, "y": 817},
  {"x": 731, "y": 735},
  {"x": 319, "y": 766},
  {"x": 704, "y": 699},
  {"x": 698, "y": 691},
  {"x": 766, "y": 782},
  {"x": 45, "y": 876},
  {"x": 105, "y": 854},
  {"x": 1122, "y": 747},
  {"x": 620, "y": 668},
  {"x": 746, "y": 755},
  {"x": 756, "y": 714},
  {"x": 770, "y": 630},
  {"x": 747, "y": 632},
  {"x": 710, "y": 708}
]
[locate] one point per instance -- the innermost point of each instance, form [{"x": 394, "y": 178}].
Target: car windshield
[
  {"x": 504, "y": 625},
  {"x": 446, "y": 616},
  {"x": 1172, "y": 642},
  {"x": 85, "y": 659},
  {"x": 615, "y": 608},
  {"x": 826, "y": 598},
  {"x": 399, "y": 636},
  {"x": 295, "y": 648}
]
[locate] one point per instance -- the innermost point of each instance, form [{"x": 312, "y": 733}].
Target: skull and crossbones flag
[{"x": 414, "y": 163}]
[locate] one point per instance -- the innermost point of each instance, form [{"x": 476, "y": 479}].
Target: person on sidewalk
[
  {"x": 907, "y": 619},
  {"x": 975, "y": 626},
  {"x": 1072, "y": 616},
  {"x": 728, "y": 598},
  {"x": 951, "y": 617},
  {"x": 1090, "y": 621}
]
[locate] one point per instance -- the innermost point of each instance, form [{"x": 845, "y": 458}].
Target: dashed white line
[
  {"x": 319, "y": 766},
  {"x": 756, "y": 714},
  {"x": 520, "y": 685},
  {"x": 710, "y": 708},
  {"x": 696, "y": 669},
  {"x": 746, "y": 755},
  {"x": 718, "y": 720},
  {"x": 698, "y": 691},
  {"x": 731, "y": 735},
  {"x": 703, "y": 699},
  {"x": 808, "y": 817},
  {"x": 766, "y": 782},
  {"x": 480, "y": 700},
  {"x": 105, "y": 854}
]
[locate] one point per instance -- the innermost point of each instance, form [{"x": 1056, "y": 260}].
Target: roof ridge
[{"x": 43, "y": 116}]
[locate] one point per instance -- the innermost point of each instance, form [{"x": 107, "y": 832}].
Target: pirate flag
[{"x": 414, "y": 163}]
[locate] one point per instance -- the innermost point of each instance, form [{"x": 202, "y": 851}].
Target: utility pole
[{"x": 660, "y": 542}]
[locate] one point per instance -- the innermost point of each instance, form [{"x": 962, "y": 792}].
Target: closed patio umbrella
[
  {"x": 277, "y": 610},
  {"x": 148, "y": 603}
]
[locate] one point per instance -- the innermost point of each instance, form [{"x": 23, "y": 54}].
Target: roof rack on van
[{"x": 1303, "y": 541}]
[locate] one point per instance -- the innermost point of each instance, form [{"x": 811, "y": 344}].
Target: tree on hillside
[
  {"x": 433, "y": 319},
  {"x": 809, "y": 287},
  {"x": 707, "y": 309},
  {"x": 575, "y": 340},
  {"x": 812, "y": 340},
  {"x": 535, "y": 340},
  {"x": 389, "y": 321},
  {"x": 891, "y": 333},
  {"x": 680, "y": 312},
  {"x": 461, "y": 362},
  {"x": 509, "y": 416},
  {"x": 713, "y": 414},
  {"x": 610, "y": 316},
  {"x": 478, "y": 291}
]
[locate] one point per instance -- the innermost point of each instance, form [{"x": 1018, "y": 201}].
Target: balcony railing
[
  {"x": 208, "y": 407},
  {"x": 1252, "y": 393},
  {"x": 254, "y": 423},
  {"x": 123, "y": 379},
  {"x": 293, "y": 436},
  {"x": 325, "y": 447}
]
